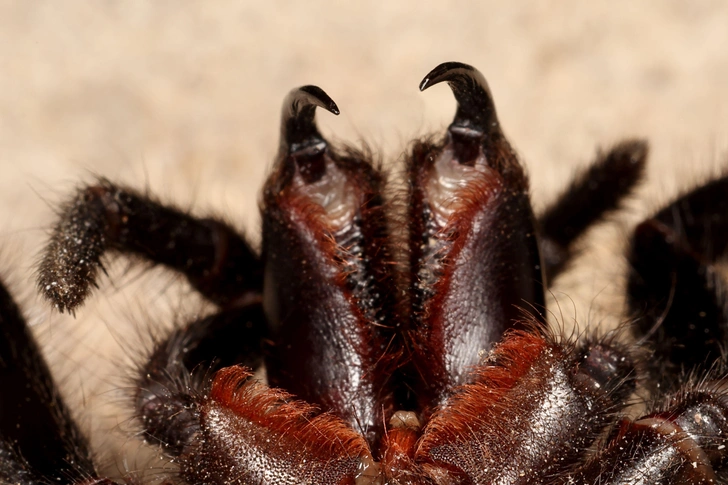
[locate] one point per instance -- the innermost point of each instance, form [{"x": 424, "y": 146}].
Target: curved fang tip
[
  {"x": 298, "y": 124},
  {"x": 476, "y": 110}
]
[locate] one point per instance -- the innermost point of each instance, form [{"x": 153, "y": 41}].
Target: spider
[{"x": 403, "y": 345}]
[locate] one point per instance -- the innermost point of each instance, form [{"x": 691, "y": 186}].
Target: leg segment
[
  {"x": 217, "y": 260},
  {"x": 590, "y": 197},
  {"x": 228, "y": 429},
  {"x": 532, "y": 411},
  {"x": 234, "y": 336},
  {"x": 675, "y": 293},
  {"x": 39, "y": 441},
  {"x": 683, "y": 442},
  {"x": 179, "y": 365}
]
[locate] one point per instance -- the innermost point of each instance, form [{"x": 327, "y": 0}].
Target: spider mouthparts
[
  {"x": 299, "y": 133},
  {"x": 476, "y": 110}
]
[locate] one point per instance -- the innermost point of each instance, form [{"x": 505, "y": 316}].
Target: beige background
[{"x": 182, "y": 98}]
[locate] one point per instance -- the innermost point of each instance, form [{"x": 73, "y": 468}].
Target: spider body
[{"x": 421, "y": 357}]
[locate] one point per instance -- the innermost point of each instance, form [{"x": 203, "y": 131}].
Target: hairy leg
[
  {"x": 39, "y": 441},
  {"x": 223, "y": 427},
  {"x": 590, "y": 197},
  {"x": 217, "y": 260},
  {"x": 675, "y": 292}
]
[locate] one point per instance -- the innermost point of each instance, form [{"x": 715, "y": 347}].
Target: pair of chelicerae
[{"x": 421, "y": 357}]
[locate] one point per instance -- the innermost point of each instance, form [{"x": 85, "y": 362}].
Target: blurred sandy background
[{"x": 183, "y": 98}]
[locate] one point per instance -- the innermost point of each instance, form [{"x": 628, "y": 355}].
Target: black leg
[
  {"x": 13, "y": 468},
  {"x": 682, "y": 441},
  {"x": 225, "y": 428},
  {"x": 675, "y": 294},
  {"x": 39, "y": 442},
  {"x": 232, "y": 337},
  {"x": 177, "y": 369},
  {"x": 590, "y": 197},
  {"x": 215, "y": 258}
]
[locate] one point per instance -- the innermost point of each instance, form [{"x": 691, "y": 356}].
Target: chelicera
[{"x": 403, "y": 344}]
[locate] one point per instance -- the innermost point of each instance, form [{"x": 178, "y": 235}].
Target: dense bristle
[
  {"x": 247, "y": 425},
  {"x": 72, "y": 258},
  {"x": 552, "y": 399}
]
